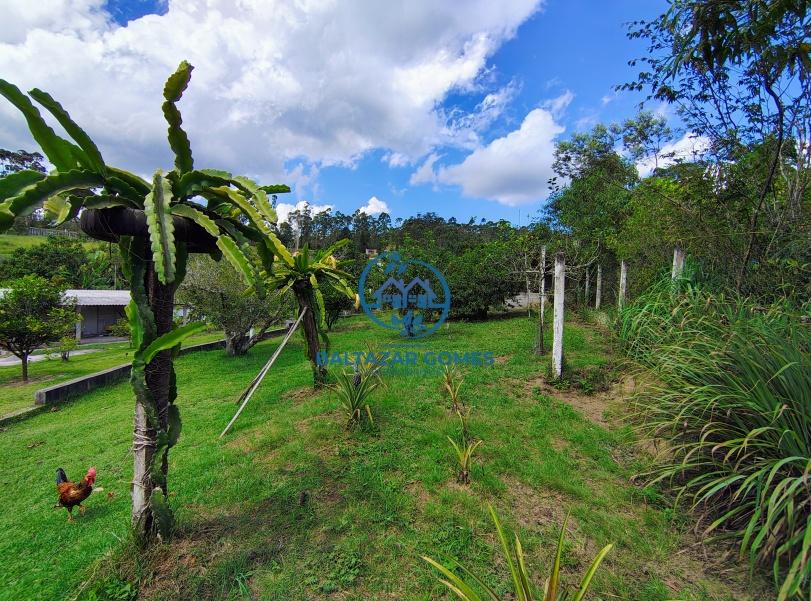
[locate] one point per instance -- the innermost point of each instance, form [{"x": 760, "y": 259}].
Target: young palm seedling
[
  {"x": 523, "y": 588},
  {"x": 353, "y": 390}
]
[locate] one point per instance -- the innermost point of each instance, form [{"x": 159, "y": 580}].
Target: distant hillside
[{"x": 11, "y": 242}]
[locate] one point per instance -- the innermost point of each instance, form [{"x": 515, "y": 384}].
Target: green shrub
[
  {"x": 731, "y": 394},
  {"x": 67, "y": 344},
  {"x": 120, "y": 329}
]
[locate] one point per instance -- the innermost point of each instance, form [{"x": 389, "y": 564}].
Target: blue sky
[{"x": 410, "y": 107}]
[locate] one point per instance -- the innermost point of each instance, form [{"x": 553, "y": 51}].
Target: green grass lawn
[
  {"x": 293, "y": 506},
  {"x": 11, "y": 242},
  {"x": 16, "y": 394}
]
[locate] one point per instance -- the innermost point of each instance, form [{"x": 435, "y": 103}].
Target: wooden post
[
  {"x": 678, "y": 263},
  {"x": 599, "y": 290},
  {"x": 557, "y": 323},
  {"x": 623, "y": 284},
  {"x": 586, "y": 301},
  {"x": 539, "y": 349}
]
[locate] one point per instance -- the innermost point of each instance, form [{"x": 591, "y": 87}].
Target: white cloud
[
  {"x": 689, "y": 147},
  {"x": 511, "y": 170},
  {"x": 316, "y": 81},
  {"x": 396, "y": 159},
  {"x": 284, "y": 209},
  {"x": 375, "y": 206},
  {"x": 425, "y": 172},
  {"x": 556, "y": 106}
]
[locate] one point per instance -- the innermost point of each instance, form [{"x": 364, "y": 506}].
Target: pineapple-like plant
[
  {"x": 452, "y": 381},
  {"x": 156, "y": 223},
  {"x": 523, "y": 588},
  {"x": 466, "y": 448},
  {"x": 353, "y": 389}
]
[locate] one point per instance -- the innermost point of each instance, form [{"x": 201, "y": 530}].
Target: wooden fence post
[
  {"x": 678, "y": 263},
  {"x": 539, "y": 349},
  {"x": 623, "y": 284},
  {"x": 599, "y": 290},
  {"x": 557, "y": 323}
]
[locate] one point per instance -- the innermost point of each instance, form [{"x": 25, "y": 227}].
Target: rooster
[{"x": 71, "y": 493}]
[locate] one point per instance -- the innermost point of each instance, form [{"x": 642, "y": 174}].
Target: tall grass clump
[{"x": 728, "y": 390}]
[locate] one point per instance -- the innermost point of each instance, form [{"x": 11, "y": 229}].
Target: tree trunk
[
  {"x": 150, "y": 417},
  {"x": 157, "y": 424},
  {"x": 24, "y": 364},
  {"x": 304, "y": 296},
  {"x": 237, "y": 344}
]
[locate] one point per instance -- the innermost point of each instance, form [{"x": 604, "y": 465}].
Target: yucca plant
[
  {"x": 156, "y": 224},
  {"x": 731, "y": 396},
  {"x": 353, "y": 389},
  {"x": 523, "y": 588},
  {"x": 305, "y": 272}
]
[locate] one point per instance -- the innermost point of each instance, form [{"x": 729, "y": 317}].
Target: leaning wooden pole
[
  {"x": 557, "y": 320},
  {"x": 258, "y": 379}
]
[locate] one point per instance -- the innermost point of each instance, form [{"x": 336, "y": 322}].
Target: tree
[
  {"x": 738, "y": 73},
  {"x": 304, "y": 273},
  {"x": 57, "y": 258},
  {"x": 21, "y": 160},
  {"x": 482, "y": 278},
  {"x": 156, "y": 224},
  {"x": 216, "y": 293},
  {"x": 32, "y": 313},
  {"x": 335, "y": 303}
]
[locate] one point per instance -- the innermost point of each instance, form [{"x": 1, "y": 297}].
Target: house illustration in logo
[
  {"x": 418, "y": 294},
  {"x": 391, "y": 294}
]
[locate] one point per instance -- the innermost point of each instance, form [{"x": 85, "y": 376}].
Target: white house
[{"x": 99, "y": 310}]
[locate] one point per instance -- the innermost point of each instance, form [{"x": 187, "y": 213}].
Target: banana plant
[
  {"x": 305, "y": 272},
  {"x": 156, "y": 223}
]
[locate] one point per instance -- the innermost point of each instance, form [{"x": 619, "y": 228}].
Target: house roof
[
  {"x": 91, "y": 298},
  {"x": 95, "y": 298}
]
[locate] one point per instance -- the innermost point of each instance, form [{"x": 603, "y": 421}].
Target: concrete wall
[{"x": 65, "y": 390}]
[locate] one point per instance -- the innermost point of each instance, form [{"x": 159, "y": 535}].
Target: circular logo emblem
[{"x": 407, "y": 296}]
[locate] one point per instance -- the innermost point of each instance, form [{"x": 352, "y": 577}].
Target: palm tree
[
  {"x": 304, "y": 272},
  {"x": 156, "y": 224}
]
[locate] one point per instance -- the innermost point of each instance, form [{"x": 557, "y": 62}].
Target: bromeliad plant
[
  {"x": 305, "y": 272},
  {"x": 353, "y": 390},
  {"x": 523, "y": 587},
  {"x": 452, "y": 381},
  {"x": 465, "y": 450},
  {"x": 156, "y": 224}
]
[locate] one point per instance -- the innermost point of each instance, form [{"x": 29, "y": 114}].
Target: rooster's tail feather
[{"x": 60, "y": 476}]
